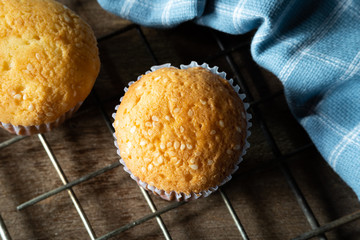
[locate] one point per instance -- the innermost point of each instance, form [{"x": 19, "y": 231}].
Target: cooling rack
[{"x": 253, "y": 84}]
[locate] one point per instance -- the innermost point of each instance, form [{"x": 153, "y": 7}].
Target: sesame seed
[
  {"x": 142, "y": 143},
  {"x": 162, "y": 146},
  {"x": 66, "y": 18},
  {"x": 169, "y": 144},
  {"x": 171, "y": 153},
  {"x": 29, "y": 67},
  {"x": 154, "y": 124},
  {"x": 238, "y": 129},
  {"x": 49, "y": 114},
  {"x": 160, "y": 160},
  {"x": 221, "y": 123},
  {"x": 37, "y": 55},
  {"x": 197, "y": 154},
  {"x": 150, "y": 166},
  {"x": 116, "y": 123},
  {"x": 212, "y": 132},
  {"x": 178, "y": 162},
  {"x": 182, "y": 147},
  {"x": 176, "y": 110},
  {"x": 194, "y": 166},
  {"x": 132, "y": 130},
  {"x": 155, "y": 118},
  {"x": 176, "y": 144},
  {"x": 157, "y": 78},
  {"x": 189, "y": 146},
  {"x": 237, "y": 147},
  {"x": 31, "y": 107},
  {"x": 24, "y": 97},
  {"x": 182, "y": 129},
  {"x": 143, "y": 169},
  {"x": 17, "y": 96},
  {"x": 192, "y": 161},
  {"x": 139, "y": 87},
  {"x": 202, "y": 102},
  {"x": 210, "y": 162},
  {"x": 167, "y": 117},
  {"x": 165, "y": 80},
  {"x": 148, "y": 124},
  {"x": 129, "y": 144},
  {"x": 190, "y": 113},
  {"x": 229, "y": 151}
]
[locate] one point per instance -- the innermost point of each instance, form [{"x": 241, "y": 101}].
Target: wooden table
[{"x": 260, "y": 193}]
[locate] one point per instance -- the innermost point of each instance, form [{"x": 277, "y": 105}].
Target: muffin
[
  {"x": 181, "y": 132},
  {"x": 48, "y": 61}
]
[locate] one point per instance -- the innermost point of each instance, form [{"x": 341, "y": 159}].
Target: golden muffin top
[
  {"x": 181, "y": 130},
  {"x": 48, "y": 61}
]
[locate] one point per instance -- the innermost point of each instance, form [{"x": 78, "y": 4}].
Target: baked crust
[
  {"x": 181, "y": 130},
  {"x": 48, "y": 61}
]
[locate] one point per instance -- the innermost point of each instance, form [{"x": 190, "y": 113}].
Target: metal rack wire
[{"x": 224, "y": 52}]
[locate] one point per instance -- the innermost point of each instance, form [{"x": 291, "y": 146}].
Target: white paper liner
[
  {"x": 172, "y": 195},
  {"x": 42, "y": 128}
]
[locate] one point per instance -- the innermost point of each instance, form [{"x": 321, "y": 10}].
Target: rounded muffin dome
[
  {"x": 48, "y": 61},
  {"x": 181, "y": 130}
]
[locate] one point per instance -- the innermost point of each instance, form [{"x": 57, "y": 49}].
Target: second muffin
[
  {"x": 48, "y": 64},
  {"x": 181, "y": 130}
]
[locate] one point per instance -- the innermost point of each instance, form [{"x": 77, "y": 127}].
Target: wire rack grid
[{"x": 225, "y": 53}]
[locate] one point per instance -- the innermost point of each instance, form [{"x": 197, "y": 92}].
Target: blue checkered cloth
[{"x": 313, "y": 47}]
